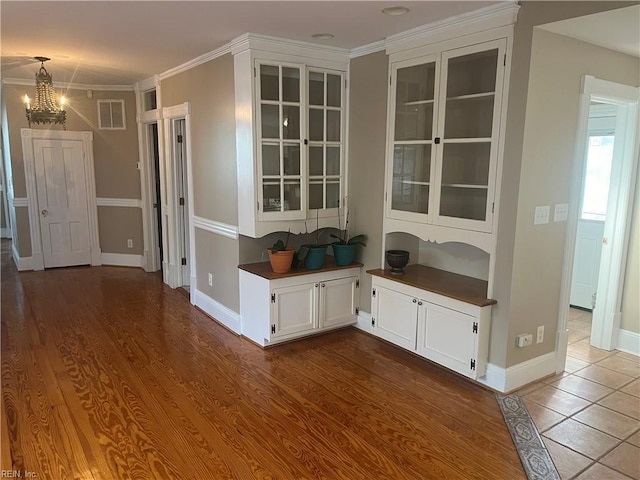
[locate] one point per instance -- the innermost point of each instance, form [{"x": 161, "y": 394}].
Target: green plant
[
  {"x": 279, "y": 246},
  {"x": 344, "y": 238}
]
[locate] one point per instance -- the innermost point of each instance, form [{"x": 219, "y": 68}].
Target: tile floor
[{"x": 589, "y": 417}]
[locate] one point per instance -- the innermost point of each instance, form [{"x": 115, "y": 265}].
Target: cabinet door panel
[
  {"x": 446, "y": 337},
  {"x": 338, "y": 302},
  {"x": 294, "y": 309},
  {"x": 396, "y": 317}
]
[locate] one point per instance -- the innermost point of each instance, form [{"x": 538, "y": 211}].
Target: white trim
[
  {"x": 207, "y": 57},
  {"x": 147, "y": 84},
  {"x": 219, "y": 228},
  {"x": 487, "y": 18},
  {"x": 19, "y": 201},
  {"x": 364, "y": 322},
  {"x": 629, "y": 342},
  {"x": 516, "y": 376},
  {"x": 5, "y": 232},
  {"x": 118, "y": 202},
  {"x": 218, "y": 312},
  {"x": 374, "y": 47},
  {"x": 122, "y": 259},
  {"x": 22, "y": 263},
  {"x": 72, "y": 86}
]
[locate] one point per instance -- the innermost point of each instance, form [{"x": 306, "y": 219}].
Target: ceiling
[{"x": 122, "y": 42}]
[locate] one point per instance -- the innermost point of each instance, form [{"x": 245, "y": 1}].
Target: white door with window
[
  {"x": 593, "y": 208},
  {"x": 62, "y": 202}
]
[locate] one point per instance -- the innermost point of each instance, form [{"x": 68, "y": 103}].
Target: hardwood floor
[{"x": 109, "y": 374}]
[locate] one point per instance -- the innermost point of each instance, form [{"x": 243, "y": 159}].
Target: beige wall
[
  {"x": 367, "y": 143},
  {"x": 631, "y": 293},
  {"x": 129, "y": 226},
  {"x": 115, "y": 159},
  {"x": 209, "y": 89},
  {"x": 505, "y": 322}
]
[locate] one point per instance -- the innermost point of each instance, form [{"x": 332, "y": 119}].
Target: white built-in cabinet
[
  {"x": 450, "y": 328},
  {"x": 278, "y": 307},
  {"x": 291, "y": 108},
  {"x": 445, "y": 128}
]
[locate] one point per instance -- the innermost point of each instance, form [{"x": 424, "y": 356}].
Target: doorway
[{"x": 611, "y": 217}]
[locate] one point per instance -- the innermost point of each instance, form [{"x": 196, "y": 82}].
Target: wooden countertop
[
  {"x": 460, "y": 287},
  {"x": 263, "y": 269}
]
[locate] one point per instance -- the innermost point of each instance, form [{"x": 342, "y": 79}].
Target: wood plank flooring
[{"x": 109, "y": 374}]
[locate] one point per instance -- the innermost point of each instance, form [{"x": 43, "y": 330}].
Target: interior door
[
  {"x": 62, "y": 202},
  {"x": 586, "y": 265},
  {"x": 183, "y": 192}
]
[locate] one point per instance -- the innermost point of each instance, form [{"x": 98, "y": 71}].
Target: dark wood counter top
[
  {"x": 263, "y": 269},
  {"x": 460, "y": 287}
]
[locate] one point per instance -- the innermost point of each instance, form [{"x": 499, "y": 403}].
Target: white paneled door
[{"x": 62, "y": 202}]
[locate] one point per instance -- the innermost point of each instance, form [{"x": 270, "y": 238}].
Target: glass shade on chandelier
[{"x": 44, "y": 108}]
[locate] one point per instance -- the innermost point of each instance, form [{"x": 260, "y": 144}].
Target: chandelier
[{"x": 45, "y": 109}]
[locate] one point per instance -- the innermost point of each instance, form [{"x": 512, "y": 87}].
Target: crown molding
[
  {"x": 71, "y": 86},
  {"x": 367, "y": 49},
  {"x": 207, "y": 57},
  {"x": 487, "y": 18},
  {"x": 147, "y": 84}
]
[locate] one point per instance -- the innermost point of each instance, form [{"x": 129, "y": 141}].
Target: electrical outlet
[
  {"x": 540, "y": 334},
  {"x": 129, "y": 243},
  {"x": 211, "y": 279},
  {"x": 524, "y": 339},
  {"x": 541, "y": 215}
]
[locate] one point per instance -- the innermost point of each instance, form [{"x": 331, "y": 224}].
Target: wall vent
[{"x": 111, "y": 115}]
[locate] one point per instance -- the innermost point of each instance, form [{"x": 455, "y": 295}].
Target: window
[
  {"x": 597, "y": 177},
  {"x": 111, "y": 115}
]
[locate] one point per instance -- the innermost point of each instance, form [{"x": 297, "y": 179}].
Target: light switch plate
[
  {"x": 541, "y": 215},
  {"x": 561, "y": 212}
]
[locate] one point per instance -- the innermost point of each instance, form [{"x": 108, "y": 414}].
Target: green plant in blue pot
[{"x": 344, "y": 250}]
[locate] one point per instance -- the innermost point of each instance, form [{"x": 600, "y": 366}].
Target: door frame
[
  {"x": 172, "y": 268},
  {"x": 605, "y": 328},
  {"x": 28, "y": 135}
]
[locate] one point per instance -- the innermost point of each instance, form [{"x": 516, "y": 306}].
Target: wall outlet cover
[{"x": 541, "y": 215}]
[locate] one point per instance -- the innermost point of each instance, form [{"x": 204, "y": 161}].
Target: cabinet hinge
[
  {"x": 385, "y": 196},
  {"x": 373, "y": 292},
  {"x": 357, "y": 311},
  {"x": 255, "y": 74},
  {"x": 258, "y": 205},
  {"x": 273, "y": 328},
  {"x": 183, "y": 261},
  {"x": 505, "y": 60},
  {"x": 475, "y": 327},
  {"x": 389, "y": 79},
  {"x": 181, "y": 201},
  {"x": 493, "y": 207},
  {"x": 345, "y": 83},
  {"x": 179, "y": 139},
  {"x": 273, "y": 298},
  {"x": 473, "y": 364},
  {"x": 357, "y": 283},
  {"x": 373, "y": 322}
]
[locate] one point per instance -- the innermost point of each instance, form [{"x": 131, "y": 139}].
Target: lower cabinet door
[
  {"x": 447, "y": 337},
  {"x": 293, "y": 309},
  {"x": 338, "y": 302},
  {"x": 395, "y": 317}
]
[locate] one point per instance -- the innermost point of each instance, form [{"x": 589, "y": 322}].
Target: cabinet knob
[
  {"x": 322, "y": 285},
  {"x": 316, "y": 285},
  {"x": 414, "y": 300},
  {"x": 419, "y": 303}
]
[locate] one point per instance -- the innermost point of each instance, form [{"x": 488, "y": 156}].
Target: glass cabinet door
[
  {"x": 469, "y": 118},
  {"x": 412, "y": 130},
  {"x": 325, "y": 127},
  {"x": 280, "y": 139}
]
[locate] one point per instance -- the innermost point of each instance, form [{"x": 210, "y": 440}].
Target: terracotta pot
[{"x": 281, "y": 261}]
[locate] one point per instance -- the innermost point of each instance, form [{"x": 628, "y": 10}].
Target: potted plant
[
  {"x": 312, "y": 254},
  {"x": 280, "y": 256},
  {"x": 344, "y": 250}
]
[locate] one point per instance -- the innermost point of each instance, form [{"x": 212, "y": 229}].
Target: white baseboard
[
  {"x": 364, "y": 322},
  {"x": 516, "y": 376},
  {"x": 22, "y": 263},
  {"x": 629, "y": 342},
  {"x": 122, "y": 259},
  {"x": 218, "y": 312},
  {"x": 5, "y": 232}
]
